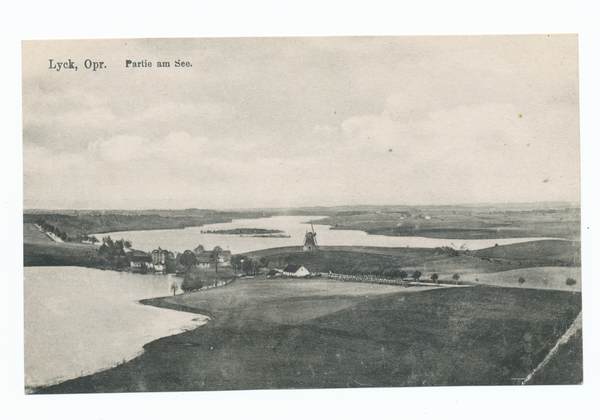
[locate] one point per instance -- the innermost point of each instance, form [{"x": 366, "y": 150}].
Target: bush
[{"x": 191, "y": 283}]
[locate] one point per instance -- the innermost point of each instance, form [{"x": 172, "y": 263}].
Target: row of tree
[
  {"x": 47, "y": 227},
  {"x": 63, "y": 235},
  {"x": 570, "y": 281},
  {"x": 248, "y": 265}
]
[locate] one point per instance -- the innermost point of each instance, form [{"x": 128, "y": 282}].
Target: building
[
  {"x": 203, "y": 259},
  {"x": 139, "y": 259},
  {"x": 160, "y": 258},
  {"x": 294, "y": 270},
  {"x": 225, "y": 258}
]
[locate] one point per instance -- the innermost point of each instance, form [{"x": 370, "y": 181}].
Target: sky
[{"x": 307, "y": 121}]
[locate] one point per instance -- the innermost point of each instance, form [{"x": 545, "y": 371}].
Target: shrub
[{"x": 191, "y": 283}]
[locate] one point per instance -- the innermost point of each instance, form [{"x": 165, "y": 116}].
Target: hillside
[
  {"x": 459, "y": 222},
  {"x": 278, "y": 334},
  {"x": 353, "y": 260}
]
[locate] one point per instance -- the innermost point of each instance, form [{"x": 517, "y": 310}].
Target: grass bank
[
  {"x": 444, "y": 262},
  {"x": 314, "y": 333}
]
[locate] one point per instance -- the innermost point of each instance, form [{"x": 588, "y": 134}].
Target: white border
[{"x": 112, "y": 19}]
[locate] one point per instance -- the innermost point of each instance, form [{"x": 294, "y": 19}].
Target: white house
[
  {"x": 203, "y": 260},
  {"x": 295, "y": 271},
  {"x": 138, "y": 259}
]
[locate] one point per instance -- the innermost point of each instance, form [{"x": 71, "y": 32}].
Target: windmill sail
[{"x": 310, "y": 240}]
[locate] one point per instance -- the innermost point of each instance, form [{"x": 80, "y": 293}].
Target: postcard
[{"x": 215, "y": 214}]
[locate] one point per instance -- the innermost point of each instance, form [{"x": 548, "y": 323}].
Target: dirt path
[{"x": 575, "y": 326}]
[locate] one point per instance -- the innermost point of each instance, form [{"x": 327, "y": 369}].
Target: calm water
[
  {"x": 294, "y": 226},
  {"x": 81, "y": 320}
]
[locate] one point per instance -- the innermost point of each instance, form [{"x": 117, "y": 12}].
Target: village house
[
  {"x": 294, "y": 270},
  {"x": 203, "y": 259},
  {"x": 139, "y": 259},
  {"x": 225, "y": 258},
  {"x": 160, "y": 258}
]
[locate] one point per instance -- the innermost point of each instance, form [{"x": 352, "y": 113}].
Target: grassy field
[
  {"x": 566, "y": 365},
  {"x": 316, "y": 333},
  {"x": 463, "y": 222},
  {"x": 351, "y": 260},
  {"x": 567, "y": 253},
  {"x": 40, "y": 250},
  {"x": 31, "y": 234},
  {"x": 550, "y": 278}
]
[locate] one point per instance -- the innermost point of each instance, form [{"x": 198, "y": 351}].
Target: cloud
[
  {"x": 171, "y": 111},
  {"x": 305, "y": 120},
  {"x": 121, "y": 148}
]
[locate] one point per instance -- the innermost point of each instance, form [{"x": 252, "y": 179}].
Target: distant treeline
[{"x": 100, "y": 222}]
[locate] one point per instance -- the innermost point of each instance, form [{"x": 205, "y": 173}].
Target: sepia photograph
[{"x": 318, "y": 212}]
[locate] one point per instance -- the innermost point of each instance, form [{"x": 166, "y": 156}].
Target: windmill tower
[{"x": 310, "y": 240}]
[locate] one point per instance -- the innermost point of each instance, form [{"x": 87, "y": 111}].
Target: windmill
[{"x": 310, "y": 240}]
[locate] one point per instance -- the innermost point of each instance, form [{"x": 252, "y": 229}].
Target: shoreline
[
  {"x": 251, "y": 351},
  {"x": 159, "y": 302}
]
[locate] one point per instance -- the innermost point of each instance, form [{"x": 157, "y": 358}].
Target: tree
[
  {"x": 455, "y": 278},
  {"x": 247, "y": 265},
  {"x": 435, "y": 277},
  {"x": 108, "y": 241},
  {"x": 214, "y": 257},
  {"x": 103, "y": 248},
  {"x": 191, "y": 283},
  {"x": 236, "y": 261},
  {"x": 255, "y": 266},
  {"x": 174, "y": 287},
  {"x": 571, "y": 282},
  {"x": 416, "y": 275},
  {"x": 521, "y": 281},
  {"x": 403, "y": 274},
  {"x": 188, "y": 258}
]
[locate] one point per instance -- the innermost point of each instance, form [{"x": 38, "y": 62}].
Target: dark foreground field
[{"x": 273, "y": 334}]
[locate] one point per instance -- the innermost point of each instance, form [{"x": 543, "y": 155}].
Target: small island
[{"x": 253, "y": 232}]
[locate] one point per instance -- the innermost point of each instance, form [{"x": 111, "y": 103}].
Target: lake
[
  {"x": 295, "y": 226},
  {"x": 81, "y": 320}
]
